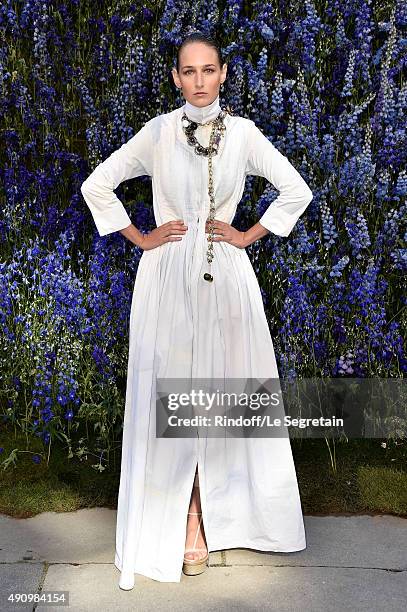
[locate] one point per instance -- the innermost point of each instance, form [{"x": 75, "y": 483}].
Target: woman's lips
[{"x": 201, "y": 93}]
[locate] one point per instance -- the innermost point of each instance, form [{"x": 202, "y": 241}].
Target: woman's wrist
[
  {"x": 256, "y": 232},
  {"x": 133, "y": 234}
]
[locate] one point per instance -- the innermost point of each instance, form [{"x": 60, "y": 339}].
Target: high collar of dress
[{"x": 202, "y": 114}]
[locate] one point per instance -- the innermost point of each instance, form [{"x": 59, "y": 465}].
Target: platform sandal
[{"x": 193, "y": 567}]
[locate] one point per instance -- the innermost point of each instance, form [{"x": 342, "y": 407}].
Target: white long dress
[{"x": 184, "y": 326}]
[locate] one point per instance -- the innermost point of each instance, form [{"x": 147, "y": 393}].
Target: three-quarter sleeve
[
  {"x": 264, "y": 159},
  {"x": 133, "y": 158}
]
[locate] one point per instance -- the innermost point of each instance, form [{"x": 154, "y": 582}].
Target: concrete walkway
[{"x": 355, "y": 563}]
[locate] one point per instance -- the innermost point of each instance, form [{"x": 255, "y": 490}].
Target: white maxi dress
[{"x": 184, "y": 326}]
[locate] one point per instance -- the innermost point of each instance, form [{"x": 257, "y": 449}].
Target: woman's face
[{"x": 199, "y": 70}]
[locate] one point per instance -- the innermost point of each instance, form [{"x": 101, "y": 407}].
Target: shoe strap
[
  {"x": 195, "y": 549},
  {"x": 197, "y": 532}
]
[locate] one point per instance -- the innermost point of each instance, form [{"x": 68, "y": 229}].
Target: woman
[{"x": 197, "y": 311}]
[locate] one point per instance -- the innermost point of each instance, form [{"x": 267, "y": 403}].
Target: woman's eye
[{"x": 206, "y": 69}]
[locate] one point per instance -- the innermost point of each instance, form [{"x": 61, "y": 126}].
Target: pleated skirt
[{"x": 182, "y": 326}]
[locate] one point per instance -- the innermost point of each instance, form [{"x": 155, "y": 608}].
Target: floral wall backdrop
[{"x": 323, "y": 80}]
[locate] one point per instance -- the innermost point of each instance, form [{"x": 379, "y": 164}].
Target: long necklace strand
[{"x": 217, "y": 132}]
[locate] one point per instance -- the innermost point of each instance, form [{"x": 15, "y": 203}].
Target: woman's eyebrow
[{"x": 204, "y": 66}]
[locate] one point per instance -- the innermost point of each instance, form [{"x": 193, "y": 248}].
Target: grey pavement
[{"x": 356, "y": 563}]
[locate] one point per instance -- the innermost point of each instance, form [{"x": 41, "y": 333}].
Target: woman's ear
[
  {"x": 175, "y": 77},
  {"x": 172, "y": 82}
]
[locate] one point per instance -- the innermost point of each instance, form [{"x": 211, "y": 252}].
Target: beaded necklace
[{"x": 217, "y": 132}]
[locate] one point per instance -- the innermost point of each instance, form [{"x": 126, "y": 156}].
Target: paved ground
[{"x": 355, "y": 563}]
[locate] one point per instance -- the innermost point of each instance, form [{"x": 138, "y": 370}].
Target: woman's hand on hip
[
  {"x": 227, "y": 233},
  {"x": 167, "y": 232}
]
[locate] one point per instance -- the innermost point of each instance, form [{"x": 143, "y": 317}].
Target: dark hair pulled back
[{"x": 203, "y": 38}]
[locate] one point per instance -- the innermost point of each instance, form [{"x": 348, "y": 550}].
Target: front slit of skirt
[{"x": 196, "y": 464}]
